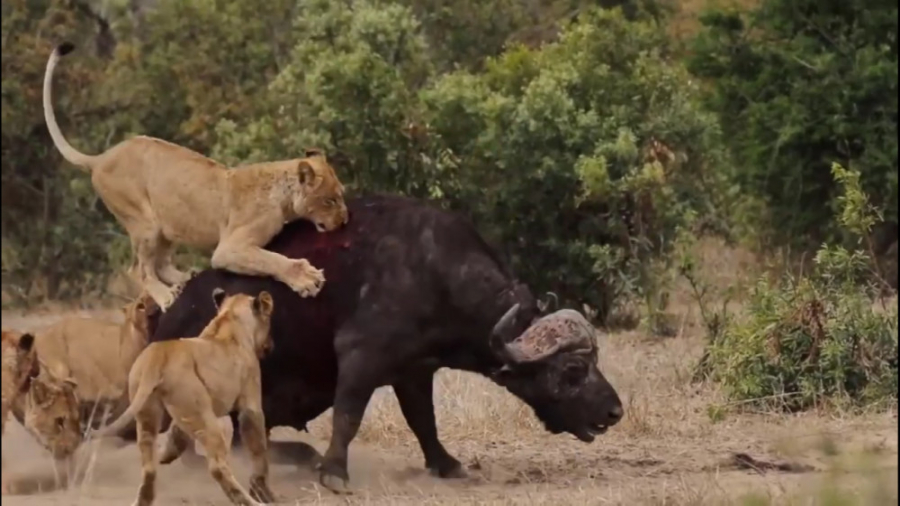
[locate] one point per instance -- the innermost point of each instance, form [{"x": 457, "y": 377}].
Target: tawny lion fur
[
  {"x": 164, "y": 194},
  {"x": 19, "y": 364},
  {"x": 96, "y": 355},
  {"x": 44, "y": 405},
  {"x": 197, "y": 380}
]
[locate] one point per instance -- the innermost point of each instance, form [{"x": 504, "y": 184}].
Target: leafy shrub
[
  {"x": 585, "y": 158},
  {"x": 798, "y": 84},
  {"x": 820, "y": 338}
]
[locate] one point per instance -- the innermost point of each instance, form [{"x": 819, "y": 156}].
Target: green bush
[
  {"x": 798, "y": 84},
  {"x": 556, "y": 161},
  {"x": 817, "y": 339}
]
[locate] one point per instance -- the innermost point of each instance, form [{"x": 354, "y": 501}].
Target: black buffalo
[{"x": 410, "y": 288}]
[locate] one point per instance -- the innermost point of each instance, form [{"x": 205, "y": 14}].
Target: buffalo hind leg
[{"x": 415, "y": 395}]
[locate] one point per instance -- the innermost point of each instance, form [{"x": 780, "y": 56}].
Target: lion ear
[
  {"x": 218, "y": 296},
  {"x": 305, "y": 173},
  {"x": 263, "y": 304},
  {"x": 26, "y": 342}
]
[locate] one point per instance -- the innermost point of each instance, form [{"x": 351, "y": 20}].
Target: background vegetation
[{"x": 591, "y": 142}]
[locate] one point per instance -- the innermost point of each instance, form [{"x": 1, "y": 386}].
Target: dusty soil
[{"x": 668, "y": 450}]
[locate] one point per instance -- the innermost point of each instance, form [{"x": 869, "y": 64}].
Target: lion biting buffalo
[{"x": 412, "y": 288}]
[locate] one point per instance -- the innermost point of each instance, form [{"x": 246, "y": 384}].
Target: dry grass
[{"x": 672, "y": 448}]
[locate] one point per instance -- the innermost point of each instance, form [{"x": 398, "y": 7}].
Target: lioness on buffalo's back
[
  {"x": 164, "y": 194},
  {"x": 414, "y": 288},
  {"x": 197, "y": 380}
]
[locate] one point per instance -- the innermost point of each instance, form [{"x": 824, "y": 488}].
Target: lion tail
[
  {"x": 150, "y": 379},
  {"x": 71, "y": 154}
]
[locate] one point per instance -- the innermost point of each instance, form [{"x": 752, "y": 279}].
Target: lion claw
[{"x": 309, "y": 281}]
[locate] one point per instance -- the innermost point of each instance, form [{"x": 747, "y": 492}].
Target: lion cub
[
  {"x": 164, "y": 194},
  {"x": 198, "y": 380}
]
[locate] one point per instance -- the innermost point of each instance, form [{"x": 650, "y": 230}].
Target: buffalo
[{"x": 410, "y": 288}]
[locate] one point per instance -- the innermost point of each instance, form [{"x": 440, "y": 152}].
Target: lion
[
  {"x": 197, "y": 381},
  {"x": 95, "y": 356},
  {"x": 164, "y": 195},
  {"x": 45, "y": 405}
]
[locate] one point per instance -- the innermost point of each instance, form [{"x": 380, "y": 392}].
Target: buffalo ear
[
  {"x": 218, "y": 296},
  {"x": 26, "y": 342},
  {"x": 305, "y": 173}
]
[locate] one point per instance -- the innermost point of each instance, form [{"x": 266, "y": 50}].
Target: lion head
[
  {"x": 322, "y": 202},
  {"x": 137, "y": 317},
  {"x": 252, "y": 314},
  {"x": 52, "y": 414}
]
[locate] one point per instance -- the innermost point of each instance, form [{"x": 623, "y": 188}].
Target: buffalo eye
[{"x": 574, "y": 373}]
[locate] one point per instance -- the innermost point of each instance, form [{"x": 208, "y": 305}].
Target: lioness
[
  {"x": 95, "y": 356},
  {"x": 164, "y": 194},
  {"x": 43, "y": 403},
  {"x": 23, "y": 379},
  {"x": 198, "y": 380}
]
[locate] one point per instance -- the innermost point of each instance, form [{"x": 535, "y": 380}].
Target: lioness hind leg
[
  {"x": 195, "y": 417},
  {"x": 148, "y": 423},
  {"x": 148, "y": 242},
  {"x": 217, "y": 459},
  {"x": 253, "y": 433},
  {"x": 166, "y": 269}
]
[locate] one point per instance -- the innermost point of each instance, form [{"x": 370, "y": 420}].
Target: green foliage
[
  {"x": 798, "y": 84},
  {"x": 556, "y": 159},
  {"x": 56, "y": 240},
  {"x": 817, "y": 339}
]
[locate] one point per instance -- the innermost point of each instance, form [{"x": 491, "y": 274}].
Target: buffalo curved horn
[
  {"x": 565, "y": 330},
  {"x": 499, "y": 334}
]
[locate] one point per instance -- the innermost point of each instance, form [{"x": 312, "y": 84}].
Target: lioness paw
[{"x": 305, "y": 279}]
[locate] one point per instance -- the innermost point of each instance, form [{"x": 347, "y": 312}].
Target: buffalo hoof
[
  {"x": 450, "y": 469},
  {"x": 334, "y": 477}
]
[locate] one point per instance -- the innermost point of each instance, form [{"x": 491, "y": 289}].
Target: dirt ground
[{"x": 671, "y": 449}]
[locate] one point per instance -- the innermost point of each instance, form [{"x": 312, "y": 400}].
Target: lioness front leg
[
  {"x": 253, "y": 433},
  {"x": 241, "y": 252}
]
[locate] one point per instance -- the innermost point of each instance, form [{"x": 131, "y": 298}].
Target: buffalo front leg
[
  {"x": 240, "y": 255},
  {"x": 415, "y": 395},
  {"x": 356, "y": 383}
]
